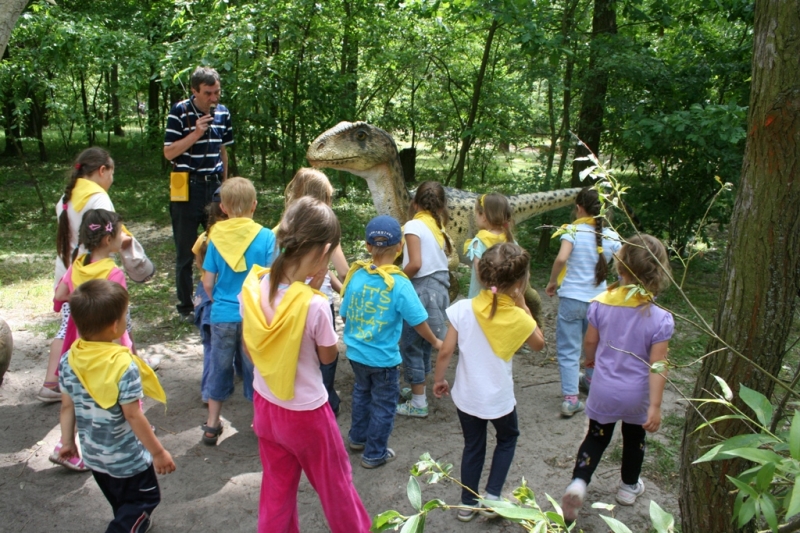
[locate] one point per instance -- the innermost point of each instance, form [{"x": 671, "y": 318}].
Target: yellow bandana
[
  {"x": 623, "y": 297},
  {"x": 82, "y": 191},
  {"x": 100, "y": 365},
  {"x": 430, "y": 222},
  {"x": 275, "y": 347},
  {"x": 98, "y": 270},
  {"x": 385, "y": 271},
  {"x": 232, "y": 237},
  {"x": 508, "y": 329},
  {"x": 488, "y": 239},
  {"x": 583, "y": 220}
]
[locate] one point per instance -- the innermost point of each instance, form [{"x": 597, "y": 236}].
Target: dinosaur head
[{"x": 355, "y": 147}]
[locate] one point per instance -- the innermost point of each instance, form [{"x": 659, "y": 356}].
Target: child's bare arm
[
  {"x": 68, "y": 447},
  {"x": 558, "y": 265},
  {"x": 440, "y": 385},
  {"x": 209, "y": 278},
  {"x": 658, "y": 352},
  {"x": 340, "y": 264},
  {"x": 62, "y": 292},
  {"x": 414, "y": 256},
  {"x": 536, "y": 340},
  {"x": 590, "y": 342},
  {"x": 327, "y": 354},
  {"x": 426, "y": 333},
  {"x": 336, "y": 284},
  {"x": 162, "y": 460}
]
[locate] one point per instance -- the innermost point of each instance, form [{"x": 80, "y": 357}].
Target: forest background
[{"x": 488, "y": 95}]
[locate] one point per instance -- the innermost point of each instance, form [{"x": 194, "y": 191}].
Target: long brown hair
[
  {"x": 495, "y": 207},
  {"x": 430, "y": 197},
  {"x": 590, "y": 201},
  {"x": 307, "y": 226},
  {"x": 502, "y": 266},
  {"x": 87, "y": 163},
  {"x": 96, "y": 224}
]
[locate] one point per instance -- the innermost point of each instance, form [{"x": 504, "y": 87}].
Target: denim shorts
[
  {"x": 226, "y": 345},
  {"x": 416, "y": 351}
]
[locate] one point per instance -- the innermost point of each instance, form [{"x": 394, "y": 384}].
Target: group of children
[{"x": 265, "y": 310}]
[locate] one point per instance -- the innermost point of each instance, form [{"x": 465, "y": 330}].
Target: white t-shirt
[
  {"x": 309, "y": 391},
  {"x": 95, "y": 201},
  {"x": 433, "y": 257},
  {"x": 484, "y": 385}
]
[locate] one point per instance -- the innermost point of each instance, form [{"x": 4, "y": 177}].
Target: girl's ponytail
[
  {"x": 430, "y": 197},
  {"x": 589, "y": 200},
  {"x": 502, "y": 266}
]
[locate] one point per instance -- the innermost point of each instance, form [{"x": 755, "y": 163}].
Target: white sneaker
[
  {"x": 573, "y": 498},
  {"x": 627, "y": 494}
]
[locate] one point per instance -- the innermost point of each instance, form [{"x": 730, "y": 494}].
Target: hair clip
[
  {"x": 110, "y": 227},
  {"x": 65, "y": 206},
  {"x": 94, "y": 227},
  {"x": 78, "y": 166},
  {"x": 493, "y": 289},
  {"x": 599, "y": 249},
  {"x": 283, "y": 250},
  {"x": 481, "y": 200}
]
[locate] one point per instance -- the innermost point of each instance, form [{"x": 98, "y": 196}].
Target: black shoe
[{"x": 187, "y": 317}]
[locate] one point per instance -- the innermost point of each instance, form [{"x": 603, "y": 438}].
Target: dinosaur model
[
  {"x": 371, "y": 153},
  {"x": 6, "y": 347}
]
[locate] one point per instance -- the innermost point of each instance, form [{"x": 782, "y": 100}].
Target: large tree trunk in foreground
[
  {"x": 762, "y": 266},
  {"x": 10, "y": 10}
]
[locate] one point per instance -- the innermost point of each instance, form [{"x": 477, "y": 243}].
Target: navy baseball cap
[
  {"x": 383, "y": 231},
  {"x": 216, "y": 198}
]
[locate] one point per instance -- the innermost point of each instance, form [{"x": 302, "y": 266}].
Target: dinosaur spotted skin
[{"x": 371, "y": 153}]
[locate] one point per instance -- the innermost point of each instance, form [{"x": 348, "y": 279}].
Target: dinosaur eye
[{"x": 361, "y": 135}]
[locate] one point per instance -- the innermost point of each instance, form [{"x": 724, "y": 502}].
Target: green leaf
[
  {"x": 719, "y": 419},
  {"x": 414, "y": 524},
  {"x": 744, "y": 487},
  {"x": 794, "y": 436},
  {"x": 414, "y": 493},
  {"x": 433, "y": 504},
  {"x": 387, "y": 520},
  {"x": 754, "y": 454},
  {"x": 768, "y": 510},
  {"x": 764, "y": 477},
  {"x": 727, "y": 393},
  {"x": 519, "y": 513},
  {"x": 605, "y": 506},
  {"x": 663, "y": 522},
  {"x": 615, "y": 525},
  {"x": 758, "y": 403},
  {"x": 710, "y": 455},
  {"x": 524, "y": 494},
  {"x": 747, "y": 511},
  {"x": 793, "y": 506}
]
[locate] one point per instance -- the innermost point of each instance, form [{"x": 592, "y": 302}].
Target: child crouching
[
  {"x": 377, "y": 298},
  {"x": 102, "y": 383}
]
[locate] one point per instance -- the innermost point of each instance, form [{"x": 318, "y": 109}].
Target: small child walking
[
  {"x": 288, "y": 332},
  {"x": 580, "y": 268},
  {"x": 102, "y": 384},
  {"x": 425, "y": 253},
  {"x": 234, "y": 246},
  {"x": 625, "y": 337},
  {"x": 488, "y": 330},
  {"x": 493, "y": 217},
  {"x": 376, "y": 298}
]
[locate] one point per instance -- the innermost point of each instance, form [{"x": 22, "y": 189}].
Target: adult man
[{"x": 195, "y": 142}]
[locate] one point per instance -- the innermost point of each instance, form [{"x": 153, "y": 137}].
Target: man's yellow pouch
[{"x": 179, "y": 186}]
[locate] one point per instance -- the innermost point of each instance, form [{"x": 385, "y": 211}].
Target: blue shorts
[{"x": 226, "y": 345}]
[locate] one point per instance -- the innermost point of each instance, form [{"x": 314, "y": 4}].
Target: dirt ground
[{"x": 217, "y": 488}]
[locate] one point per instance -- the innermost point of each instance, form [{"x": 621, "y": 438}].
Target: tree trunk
[
  {"x": 348, "y": 76},
  {"x": 10, "y": 10},
  {"x": 467, "y": 138},
  {"x": 116, "y": 116},
  {"x": 595, "y": 86},
  {"x": 154, "y": 133},
  {"x": 762, "y": 264},
  {"x": 11, "y": 124}
]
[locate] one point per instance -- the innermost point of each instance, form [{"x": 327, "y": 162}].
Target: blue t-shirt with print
[
  {"x": 375, "y": 318},
  {"x": 108, "y": 444},
  {"x": 225, "y": 307}
]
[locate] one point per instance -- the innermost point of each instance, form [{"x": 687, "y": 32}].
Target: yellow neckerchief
[
  {"x": 232, "y": 237},
  {"x": 488, "y": 239},
  {"x": 275, "y": 347},
  {"x": 508, "y": 329},
  {"x": 100, "y": 365},
  {"x": 617, "y": 296},
  {"x": 84, "y": 188},
  {"x": 430, "y": 222},
  {"x": 582, "y": 220},
  {"x": 385, "y": 271},
  {"x": 199, "y": 242},
  {"x": 82, "y": 273}
]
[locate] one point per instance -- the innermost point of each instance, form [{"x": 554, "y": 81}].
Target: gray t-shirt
[{"x": 108, "y": 443}]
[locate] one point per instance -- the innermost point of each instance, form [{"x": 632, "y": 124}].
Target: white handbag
[{"x": 137, "y": 265}]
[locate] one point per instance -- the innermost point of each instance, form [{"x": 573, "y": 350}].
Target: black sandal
[{"x": 208, "y": 430}]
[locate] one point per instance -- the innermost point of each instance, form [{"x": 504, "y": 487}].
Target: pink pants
[{"x": 293, "y": 441}]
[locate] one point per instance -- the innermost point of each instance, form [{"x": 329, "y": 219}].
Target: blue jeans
[
  {"x": 474, "y": 455},
  {"x": 375, "y": 395},
  {"x": 416, "y": 351},
  {"x": 570, "y": 329},
  {"x": 226, "y": 346}
]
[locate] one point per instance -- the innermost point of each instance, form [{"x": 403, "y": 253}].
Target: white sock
[
  {"x": 578, "y": 486},
  {"x": 419, "y": 400}
]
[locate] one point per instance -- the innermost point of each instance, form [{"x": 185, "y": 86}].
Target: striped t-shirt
[
  {"x": 203, "y": 157},
  {"x": 578, "y": 284}
]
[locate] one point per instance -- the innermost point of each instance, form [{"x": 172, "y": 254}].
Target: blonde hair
[
  {"x": 237, "y": 195},
  {"x": 638, "y": 260},
  {"x": 495, "y": 207},
  {"x": 308, "y": 182}
]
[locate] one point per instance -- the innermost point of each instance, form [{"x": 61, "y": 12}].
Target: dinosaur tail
[{"x": 528, "y": 205}]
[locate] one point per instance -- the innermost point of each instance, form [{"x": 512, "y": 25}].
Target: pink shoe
[{"x": 73, "y": 463}]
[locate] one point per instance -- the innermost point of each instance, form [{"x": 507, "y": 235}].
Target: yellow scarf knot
[
  {"x": 100, "y": 365},
  {"x": 430, "y": 222},
  {"x": 232, "y": 237},
  {"x": 82, "y": 273},
  {"x": 384, "y": 271},
  {"x": 83, "y": 190},
  {"x": 508, "y": 329},
  {"x": 488, "y": 239},
  {"x": 627, "y": 296}
]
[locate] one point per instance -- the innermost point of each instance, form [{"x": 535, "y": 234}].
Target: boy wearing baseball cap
[{"x": 376, "y": 298}]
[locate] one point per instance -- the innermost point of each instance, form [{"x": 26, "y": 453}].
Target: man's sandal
[{"x": 215, "y": 432}]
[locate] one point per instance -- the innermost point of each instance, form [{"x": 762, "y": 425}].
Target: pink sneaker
[{"x": 73, "y": 463}]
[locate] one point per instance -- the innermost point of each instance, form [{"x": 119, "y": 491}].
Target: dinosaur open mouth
[{"x": 333, "y": 162}]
